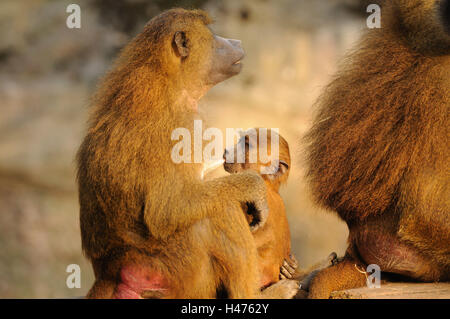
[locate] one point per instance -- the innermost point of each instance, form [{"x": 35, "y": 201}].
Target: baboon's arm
[{"x": 202, "y": 199}]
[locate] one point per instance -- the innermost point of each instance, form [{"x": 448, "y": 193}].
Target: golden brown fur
[
  {"x": 143, "y": 215},
  {"x": 378, "y": 151},
  {"x": 273, "y": 240}
]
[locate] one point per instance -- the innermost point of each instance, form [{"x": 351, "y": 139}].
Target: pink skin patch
[
  {"x": 388, "y": 252},
  {"x": 134, "y": 280}
]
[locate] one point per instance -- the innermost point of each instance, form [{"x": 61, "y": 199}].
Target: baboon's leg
[
  {"x": 248, "y": 286},
  {"x": 344, "y": 275},
  {"x": 241, "y": 277},
  {"x": 233, "y": 254},
  {"x": 289, "y": 269},
  {"x": 236, "y": 262},
  {"x": 283, "y": 289}
]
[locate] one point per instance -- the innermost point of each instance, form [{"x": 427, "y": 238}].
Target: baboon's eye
[
  {"x": 283, "y": 167},
  {"x": 284, "y": 164}
]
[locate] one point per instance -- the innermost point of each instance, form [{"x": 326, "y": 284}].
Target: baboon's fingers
[
  {"x": 332, "y": 257},
  {"x": 288, "y": 267},
  {"x": 293, "y": 261},
  {"x": 285, "y": 273}
]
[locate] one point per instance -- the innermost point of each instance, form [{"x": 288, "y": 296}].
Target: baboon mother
[
  {"x": 151, "y": 227},
  {"x": 379, "y": 149}
]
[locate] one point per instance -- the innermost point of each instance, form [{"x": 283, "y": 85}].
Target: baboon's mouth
[
  {"x": 237, "y": 66},
  {"x": 239, "y": 60}
]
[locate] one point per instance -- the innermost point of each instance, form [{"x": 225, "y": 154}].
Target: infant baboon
[
  {"x": 151, "y": 227},
  {"x": 273, "y": 240},
  {"x": 379, "y": 149}
]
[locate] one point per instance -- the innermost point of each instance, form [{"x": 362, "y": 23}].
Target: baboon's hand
[
  {"x": 289, "y": 268},
  {"x": 257, "y": 205}
]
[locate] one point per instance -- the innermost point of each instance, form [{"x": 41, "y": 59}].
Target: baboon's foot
[{"x": 284, "y": 289}]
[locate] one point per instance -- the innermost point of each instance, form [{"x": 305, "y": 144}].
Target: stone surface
[{"x": 397, "y": 291}]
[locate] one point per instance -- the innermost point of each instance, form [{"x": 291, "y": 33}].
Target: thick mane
[{"x": 386, "y": 111}]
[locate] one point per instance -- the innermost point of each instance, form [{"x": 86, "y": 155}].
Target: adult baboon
[
  {"x": 273, "y": 240},
  {"x": 151, "y": 227},
  {"x": 379, "y": 149}
]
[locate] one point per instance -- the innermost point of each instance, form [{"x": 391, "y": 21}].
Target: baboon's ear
[{"x": 180, "y": 44}]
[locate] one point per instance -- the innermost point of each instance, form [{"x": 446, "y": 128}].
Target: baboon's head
[
  {"x": 254, "y": 144},
  {"x": 425, "y": 24},
  {"x": 179, "y": 46}
]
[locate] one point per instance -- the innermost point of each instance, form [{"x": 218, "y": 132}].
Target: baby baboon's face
[
  {"x": 252, "y": 146},
  {"x": 248, "y": 148}
]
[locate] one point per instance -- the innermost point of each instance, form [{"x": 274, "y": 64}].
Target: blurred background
[{"x": 48, "y": 72}]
